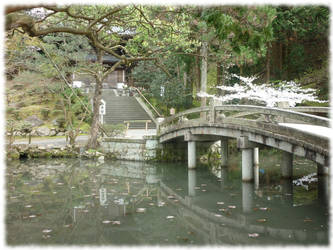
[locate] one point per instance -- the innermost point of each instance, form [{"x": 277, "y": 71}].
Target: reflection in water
[
  {"x": 247, "y": 196},
  {"x": 192, "y": 182},
  {"x": 85, "y": 202},
  {"x": 287, "y": 191}
]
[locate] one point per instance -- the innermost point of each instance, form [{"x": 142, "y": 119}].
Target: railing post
[{"x": 212, "y": 113}]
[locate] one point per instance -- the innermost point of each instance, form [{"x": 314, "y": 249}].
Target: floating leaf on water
[
  {"x": 170, "y": 217},
  {"x": 253, "y": 235},
  {"x": 161, "y": 204},
  {"x": 231, "y": 206},
  {"x": 220, "y": 203},
  {"x": 261, "y": 220},
  {"x": 141, "y": 210},
  {"x": 106, "y": 221},
  {"x": 47, "y": 231}
]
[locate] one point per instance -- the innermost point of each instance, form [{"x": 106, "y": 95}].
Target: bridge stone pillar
[
  {"x": 322, "y": 170},
  {"x": 287, "y": 165},
  {"x": 323, "y": 189},
  {"x": 247, "y": 158},
  {"x": 191, "y": 154},
  {"x": 256, "y": 166},
  {"x": 224, "y": 152}
]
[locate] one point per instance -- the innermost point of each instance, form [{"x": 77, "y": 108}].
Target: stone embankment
[{"x": 25, "y": 151}]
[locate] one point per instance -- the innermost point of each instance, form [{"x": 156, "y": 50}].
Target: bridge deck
[{"x": 311, "y": 129}]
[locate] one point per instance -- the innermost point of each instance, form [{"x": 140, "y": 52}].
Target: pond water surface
[{"x": 85, "y": 202}]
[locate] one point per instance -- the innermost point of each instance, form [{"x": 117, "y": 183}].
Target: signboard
[{"x": 102, "y": 108}]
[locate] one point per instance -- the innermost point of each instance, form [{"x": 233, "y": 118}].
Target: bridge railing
[{"x": 223, "y": 113}]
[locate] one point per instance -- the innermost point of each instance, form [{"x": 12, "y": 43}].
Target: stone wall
[
  {"x": 149, "y": 149},
  {"x": 131, "y": 149}
]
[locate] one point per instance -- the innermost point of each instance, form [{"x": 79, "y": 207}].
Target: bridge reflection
[
  {"x": 231, "y": 223},
  {"x": 221, "y": 211}
]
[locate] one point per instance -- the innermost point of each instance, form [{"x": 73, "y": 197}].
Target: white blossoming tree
[{"x": 268, "y": 93}]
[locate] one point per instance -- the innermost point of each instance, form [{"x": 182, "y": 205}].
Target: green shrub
[
  {"x": 61, "y": 122},
  {"x": 56, "y": 112},
  {"x": 10, "y": 110},
  {"x": 45, "y": 113},
  {"x": 16, "y": 114},
  {"x": 21, "y": 104},
  {"x": 25, "y": 127},
  {"x": 113, "y": 130}
]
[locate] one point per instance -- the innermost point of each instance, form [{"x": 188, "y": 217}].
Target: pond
[{"x": 84, "y": 202}]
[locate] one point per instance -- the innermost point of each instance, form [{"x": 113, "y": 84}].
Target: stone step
[{"x": 124, "y": 108}]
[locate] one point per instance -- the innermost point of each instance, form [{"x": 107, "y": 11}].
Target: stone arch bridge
[{"x": 296, "y": 131}]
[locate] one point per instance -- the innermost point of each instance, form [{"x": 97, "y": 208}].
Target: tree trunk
[
  {"x": 218, "y": 74},
  {"x": 92, "y": 142},
  {"x": 268, "y": 62},
  {"x": 203, "y": 81},
  {"x": 198, "y": 73},
  {"x": 280, "y": 59}
]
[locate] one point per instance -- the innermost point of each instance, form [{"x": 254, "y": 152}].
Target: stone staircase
[{"x": 124, "y": 108}]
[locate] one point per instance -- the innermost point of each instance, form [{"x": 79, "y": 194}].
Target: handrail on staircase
[{"x": 159, "y": 115}]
